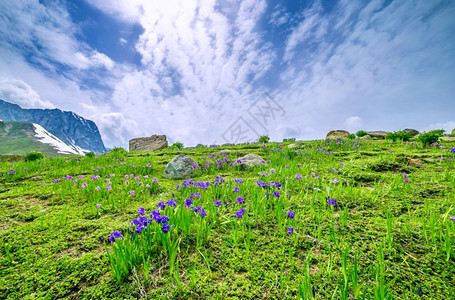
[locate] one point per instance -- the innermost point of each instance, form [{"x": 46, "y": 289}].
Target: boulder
[
  {"x": 295, "y": 145},
  {"x": 251, "y": 160},
  {"x": 447, "y": 138},
  {"x": 180, "y": 167},
  {"x": 337, "y": 134},
  {"x": 412, "y": 131},
  {"x": 148, "y": 144},
  {"x": 453, "y": 132},
  {"x": 365, "y": 137},
  {"x": 377, "y": 135}
]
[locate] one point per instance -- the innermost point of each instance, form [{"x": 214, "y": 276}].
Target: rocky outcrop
[
  {"x": 377, "y": 135},
  {"x": 412, "y": 131},
  {"x": 447, "y": 138},
  {"x": 148, "y": 144},
  {"x": 365, "y": 137},
  {"x": 180, "y": 167},
  {"x": 453, "y": 132},
  {"x": 337, "y": 134},
  {"x": 78, "y": 133},
  {"x": 251, "y": 160}
]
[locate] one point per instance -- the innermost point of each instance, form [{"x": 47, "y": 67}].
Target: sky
[{"x": 215, "y": 72}]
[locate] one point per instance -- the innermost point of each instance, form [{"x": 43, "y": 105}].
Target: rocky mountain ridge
[{"x": 78, "y": 133}]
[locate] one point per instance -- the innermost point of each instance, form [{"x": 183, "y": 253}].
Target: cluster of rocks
[{"x": 373, "y": 135}]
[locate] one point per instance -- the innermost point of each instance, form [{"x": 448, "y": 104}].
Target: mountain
[
  {"x": 71, "y": 129},
  {"x": 20, "y": 138}
]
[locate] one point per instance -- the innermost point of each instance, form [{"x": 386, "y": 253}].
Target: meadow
[{"x": 327, "y": 219}]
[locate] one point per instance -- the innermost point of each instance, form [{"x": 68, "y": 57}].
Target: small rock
[
  {"x": 337, "y": 134},
  {"x": 180, "y": 167},
  {"x": 251, "y": 160},
  {"x": 412, "y": 131},
  {"x": 447, "y": 138},
  {"x": 377, "y": 135}
]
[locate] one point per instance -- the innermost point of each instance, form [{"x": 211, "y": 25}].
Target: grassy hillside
[
  {"x": 17, "y": 138},
  {"x": 326, "y": 220}
]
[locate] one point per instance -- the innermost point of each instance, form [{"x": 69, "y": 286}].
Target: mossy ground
[{"x": 52, "y": 237}]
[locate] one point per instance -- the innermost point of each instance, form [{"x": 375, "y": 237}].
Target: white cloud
[
  {"x": 447, "y": 126},
  {"x": 19, "y": 92},
  {"x": 354, "y": 122}
]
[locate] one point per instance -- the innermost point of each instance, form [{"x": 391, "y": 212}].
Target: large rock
[
  {"x": 453, "y": 132},
  {"x": 377, "y": 135},
  {"x": 365, "y": 137},
  {"x": 148, "y": 144},
  {"x": 447, "y": 138},
  {"x": 251, "y": 160},
  {"x": 412, "y": 131},
  {"x": 337, "y": 134},
  {"x": 179, "y": 167}
]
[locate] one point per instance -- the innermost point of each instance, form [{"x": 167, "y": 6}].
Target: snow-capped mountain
[{"x": 79, "y": 134}]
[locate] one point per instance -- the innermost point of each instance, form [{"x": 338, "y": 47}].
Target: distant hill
[
  {"x": 78, "y": 133},
  {"x": 20, "y": 138}
]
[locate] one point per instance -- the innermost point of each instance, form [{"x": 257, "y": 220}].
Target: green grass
[
  {"x": 386, "y": 238},
  {"x": 17, "y": 138}
]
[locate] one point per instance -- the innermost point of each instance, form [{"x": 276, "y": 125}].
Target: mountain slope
[
  {"x": 73, "y": 130},
  {"x": 20, "y": 138}
]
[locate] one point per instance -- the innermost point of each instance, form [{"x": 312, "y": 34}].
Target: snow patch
[{"x": 45, "y": 137}]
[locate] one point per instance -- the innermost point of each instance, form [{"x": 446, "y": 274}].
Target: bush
[
  {"x": 176, "y": 146},
  {"x": 361, "y": 133},
  {"x": 431, "y": 137},
  {"x": 264, "y": 139},
  {"x": 398, "y": 136},
  {"x": 32, "y": 156},
  {"x": 90, "y": 154},
  {"x": 118, "y": 152},
  {"x": 351, "y": 136}
]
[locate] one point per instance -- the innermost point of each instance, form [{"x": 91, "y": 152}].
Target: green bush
[
  {"x": 264, "y": 139},
  {"x": 118, "y": 152},
  {"x": 90, "y": 154},
  {"x": 430, "y": 137},
  {"x": 398, "y": 136},
  {"x": 32, "y": 156},
  {"x": 361, "y": 133},
  {"x": 176, "y": 146},
  {"x": 351, "y": 136}
]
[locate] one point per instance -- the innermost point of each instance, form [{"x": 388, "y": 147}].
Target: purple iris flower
[
  {"x": 166, "y": 228},
  {"x": 188, "y": 203},
  {"x": 171, "y": 203},
  {"x": 115, "y": 235},
  {"x": 276, "y": 194},
  {"x": 218, "y": 203},
  {"x": 332, "y": 202},
  {"x": 236, "y": 189},
  {"x": 239, "y": 214},
  {"x": 290, "y": 230},
  {"x": 141, "y": 211},
  {"x": 161, "y": 205},
  {"x": 291, "y": 215},
  {"x": 452, "y": 150},
  {"x": 240, "y": 200}
]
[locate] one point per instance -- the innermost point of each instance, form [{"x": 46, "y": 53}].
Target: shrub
[
  {"x": 398, "y": 136},
  {"x": 176, "y": 146},
  {"x": 90, "y": 154},
  {"x": 431, "y": 137},
  {"x": 264, "y": 139},
  {"x": 351, "y": 136},
  {"x": 361, "y": 133},
  {"x": 32, "y": 156},
  {"x": 118, "y": 152}
]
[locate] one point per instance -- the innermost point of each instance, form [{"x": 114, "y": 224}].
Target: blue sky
[{"x": 213, "y": 72}]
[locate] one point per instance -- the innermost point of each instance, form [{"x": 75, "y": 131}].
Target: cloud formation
[{"x": 202, "y": 64}]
